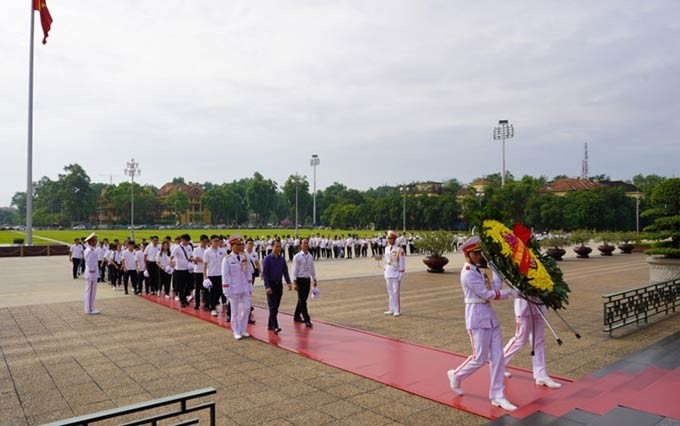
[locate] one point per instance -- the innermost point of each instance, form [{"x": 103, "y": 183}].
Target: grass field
[{"x": 67, "y": 236}]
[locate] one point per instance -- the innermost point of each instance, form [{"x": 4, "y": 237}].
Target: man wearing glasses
[{"x": 394, "y": 261}]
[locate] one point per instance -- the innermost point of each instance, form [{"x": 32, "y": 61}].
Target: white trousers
[
  {"x": 90, "y": 293},
  {"x": 523, "y": 333},
  {"x": 240, "y": 310},
  {"x": 393, "y": 285},
  {"x": 486, "y": 346}
]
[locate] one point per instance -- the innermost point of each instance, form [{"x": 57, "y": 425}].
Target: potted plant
[
  {"x": 664, "y": 256},
  {"x": 434, "y": 245},
  {"x": 626, "y": 240},
  {"x": 553, "y": 246},
  {"x": 606, "y": 249},
  {"x": 580, "y": 237}
]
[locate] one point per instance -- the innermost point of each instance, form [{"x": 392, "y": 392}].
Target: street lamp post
[
  {"x": 403, "y": 189},
  {"x": 132, "y": 170},
  {"x": 637, "y": 212},
  {"x": 502, "y": 132},
  {"x": 480, "y": 195},
  {"x": 314, "y": 162},
  {"x": 297, "y": 184}
]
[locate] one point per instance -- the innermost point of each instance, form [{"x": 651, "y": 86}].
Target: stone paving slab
[{"x": 57, "y": 362}]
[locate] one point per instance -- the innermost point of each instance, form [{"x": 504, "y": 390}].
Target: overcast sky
[{"x": 385, "y": 92}]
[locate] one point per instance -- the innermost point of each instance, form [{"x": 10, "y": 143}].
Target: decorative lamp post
[
  {"x": 502, "y": 132},
  {"x": 403, "y": 189},
  {"x": 132, "y": 170},
  {"x": 480, "y": 194},
  {"x": 314, "y": 162}
]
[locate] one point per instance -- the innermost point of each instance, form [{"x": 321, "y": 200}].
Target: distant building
[
  {"x": 565, "y": 185},
  {"x": 196, "y": 212},
  {"x": 426, "y": 188}
]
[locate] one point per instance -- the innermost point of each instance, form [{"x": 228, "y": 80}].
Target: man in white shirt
[
  {"x": 91, "y": 274},
  {"x": 180, "y": 258},
  {"x": 129, "y": 266},
  {"x": 303, "y": 274},
  {"x": 198, "y": 272},
  {"x": 75, "y": 256},
  {"x": 212, "y": 270},
  {"x": 150, "y": 258},
  {"x": 141, "y": 269}
]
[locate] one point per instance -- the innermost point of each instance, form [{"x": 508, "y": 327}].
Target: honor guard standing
[
  {"x": 91, "y": 274},
  {"x": 530, "y": 325},
  {"x": 237, "y": 285},
  {"x": 482, "y": 325},
  {"x": 303, "y": 274},
  {"x": 394, "y": 261}
]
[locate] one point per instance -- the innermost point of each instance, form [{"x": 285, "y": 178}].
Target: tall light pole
[
  {"x": 314, "y": 162},
  {"x": 297, "y": 185},
  {"x": 637, "y": 212},
  {"x": 132, "y": 170},
  {"x": 403, "y": 189},
  {"x": 502, "y": 132}
]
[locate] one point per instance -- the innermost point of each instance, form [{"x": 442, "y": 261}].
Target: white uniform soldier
[
  {"x": 394, "y": 261},
  {"x": 237, "y": 285},
  {"x": 91, "y": 274},
  {"x": 530, "y": 325},
  {"x": 482, "y": 325}
]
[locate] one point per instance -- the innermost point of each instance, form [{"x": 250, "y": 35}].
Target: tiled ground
[{"x": 56, "y": 362}]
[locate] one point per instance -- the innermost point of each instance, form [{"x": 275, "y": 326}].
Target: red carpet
[{"x": 413, "y": 368}]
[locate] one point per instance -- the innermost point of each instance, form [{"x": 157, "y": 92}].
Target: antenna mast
[{"x": 584, "y": 163}]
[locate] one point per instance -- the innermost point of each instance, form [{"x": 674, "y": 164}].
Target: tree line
[{"x": 74, "y": 199}]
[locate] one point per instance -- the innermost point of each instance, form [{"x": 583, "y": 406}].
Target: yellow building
[{"x": 196, "y": 212}]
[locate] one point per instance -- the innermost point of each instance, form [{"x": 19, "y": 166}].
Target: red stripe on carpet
[{"x": 413, "y": 368}]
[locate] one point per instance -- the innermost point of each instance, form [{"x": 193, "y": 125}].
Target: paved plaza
[{"x": 56, "y": 362}]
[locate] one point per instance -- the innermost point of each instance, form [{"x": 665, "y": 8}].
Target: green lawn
[{"x": 44, "y": 237}]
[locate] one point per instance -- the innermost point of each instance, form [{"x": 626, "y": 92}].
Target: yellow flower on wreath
[{"x": 538, "y": 276}]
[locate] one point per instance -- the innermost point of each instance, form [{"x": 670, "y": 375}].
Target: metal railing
[
  {"x": 638, "y": 304},
  {"x": 181, "y": 398}
]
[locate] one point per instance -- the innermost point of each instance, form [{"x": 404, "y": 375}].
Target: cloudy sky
[{"x": 385, "y": 92}]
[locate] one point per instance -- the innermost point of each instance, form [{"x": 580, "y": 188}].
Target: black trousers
[
  {"x": 303, "y": 294},
  {"x": 182, "y": 281},
  {"x": 152, "y": 267},
  {"x": 274, "y": 301},
  {"x": 102, "y": 270},
  {"x": 198, "y": 286},
  {"x": 165, "y": 282},
  {"x": 212, "y": 298},
  {"x": 130, "y": 276},
  {"x": 76, "y": 266},
  {"x": 113, "y": 274}
]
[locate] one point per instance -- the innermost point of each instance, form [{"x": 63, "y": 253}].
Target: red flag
[
  {"x": 520, "y": 252},
  {"x": 45, "y": 17},
  {"x": 522, "y": 232}
]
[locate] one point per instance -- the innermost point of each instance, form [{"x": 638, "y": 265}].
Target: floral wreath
[{"x": 517, "y": 257}]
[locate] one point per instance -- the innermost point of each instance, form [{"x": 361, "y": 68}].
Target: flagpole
[{"x": 29, "y": 166}]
